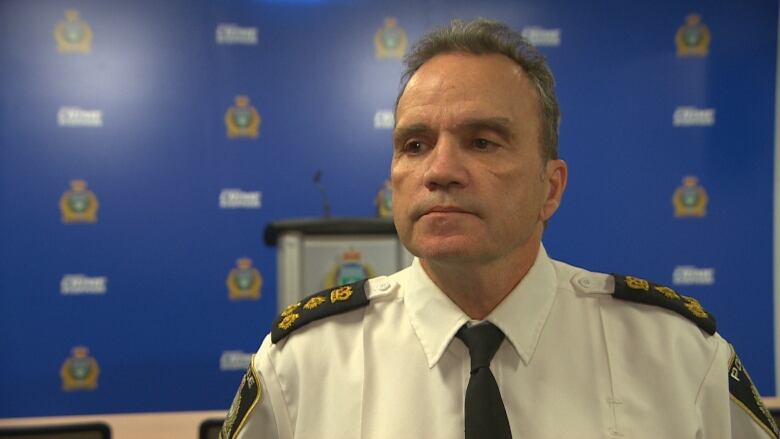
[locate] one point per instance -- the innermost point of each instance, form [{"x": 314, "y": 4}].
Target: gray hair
[{"x": 483, "y": 36}]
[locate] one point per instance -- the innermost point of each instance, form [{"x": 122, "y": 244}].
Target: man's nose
[{"x": 446, "y": 166}]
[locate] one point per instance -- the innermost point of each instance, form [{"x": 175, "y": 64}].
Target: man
[{"x": 485, "y": 336}]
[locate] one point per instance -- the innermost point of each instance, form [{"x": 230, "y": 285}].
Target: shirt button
[
  {"x": 384, "y": 286},
  {"x": 585, "y": 282}
]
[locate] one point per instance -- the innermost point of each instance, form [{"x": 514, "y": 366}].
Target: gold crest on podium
[{"x": 349, "y": 269}]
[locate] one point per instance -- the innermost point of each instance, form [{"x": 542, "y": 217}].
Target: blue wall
[{"x": 161, "y": 157}]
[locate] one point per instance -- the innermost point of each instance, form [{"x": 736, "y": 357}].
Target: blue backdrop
[{"x": 119, "y": 228}]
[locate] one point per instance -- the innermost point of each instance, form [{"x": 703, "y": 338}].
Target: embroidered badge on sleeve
[
  {"x": 249, "y": 394},
  {"x": 745, "y": 395}
]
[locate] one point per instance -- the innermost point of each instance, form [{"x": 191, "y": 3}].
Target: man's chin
[{"x": 449, "y": 250}]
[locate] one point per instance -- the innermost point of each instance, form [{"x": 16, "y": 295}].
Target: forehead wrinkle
[
  {"x": 427, "y": 90},
  {"x": 445, "y": 98},
  {"x": 501, "y": 125}
]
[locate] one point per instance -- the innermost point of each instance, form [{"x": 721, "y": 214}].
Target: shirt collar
[{"x": 521, "y": 315}]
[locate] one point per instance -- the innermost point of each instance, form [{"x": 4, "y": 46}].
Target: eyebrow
[
  {"x": 410, "y": 130},
  {"x": 501, "y": 125}
]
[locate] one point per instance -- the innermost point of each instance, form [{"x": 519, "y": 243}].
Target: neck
[{"x": 477, "y": 287}]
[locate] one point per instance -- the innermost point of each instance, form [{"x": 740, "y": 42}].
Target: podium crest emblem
[{"x": 348, "y": 270}]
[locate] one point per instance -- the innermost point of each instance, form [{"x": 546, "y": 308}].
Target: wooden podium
[{"x": 318, "y": 253}]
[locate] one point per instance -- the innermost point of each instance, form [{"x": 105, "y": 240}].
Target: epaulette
[
  {"x": 317, "y": 306},
  {"x": 639, "y": 290}
]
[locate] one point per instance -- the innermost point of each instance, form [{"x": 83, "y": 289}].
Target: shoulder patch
[
  {"x": 745, "y": 395},
  {"x": 639, "y": 290},
  {"x": 249, "y": 394},
  {"x": 317, "y": 306}
]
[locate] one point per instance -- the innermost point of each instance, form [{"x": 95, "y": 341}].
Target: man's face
[{"x": 469, "y": 184}]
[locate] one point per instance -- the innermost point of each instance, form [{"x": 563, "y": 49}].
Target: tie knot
[{"x": 483, "y": 341}]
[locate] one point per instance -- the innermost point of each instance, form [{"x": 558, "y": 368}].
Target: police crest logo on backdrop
[
  {"x": 693, "y": 38},
  {"x": 79, "y": 204},
  {"x": 73, "y": 35},
  {"x": 242, "y": 119},
  {"x": 244, "y": 281},
  {"x": 384, "y": 200},
  {"x": 390, "y": 40},
  {"x": 690, "y": 199},
  {"x": 79, "y": 371}
]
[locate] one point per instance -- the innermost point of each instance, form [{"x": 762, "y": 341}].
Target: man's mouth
[{"x": 445, "y": 210}]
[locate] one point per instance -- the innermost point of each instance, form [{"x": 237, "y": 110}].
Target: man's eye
[
  {"x": 483, "y": 144},
  {"x": 413, "y": 147}
]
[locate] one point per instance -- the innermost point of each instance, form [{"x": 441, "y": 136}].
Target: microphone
[{"x": 325, "y": 202}]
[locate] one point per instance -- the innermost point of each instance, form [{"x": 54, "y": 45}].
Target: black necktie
[{"x": 485, "y": 412}]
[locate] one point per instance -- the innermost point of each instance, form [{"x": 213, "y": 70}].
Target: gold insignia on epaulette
[
  {"x": 288, "y": 321},
  {"x": 290, "y": 308},
  {"x": 315, "y": 307},
  {"x": 314, "y": 302},
  {"x": 668, "y": 292},
  {"x": 695, "y": 307},
  {"x": 637, "y": 283},
  {"x": 341, "y": 294}
]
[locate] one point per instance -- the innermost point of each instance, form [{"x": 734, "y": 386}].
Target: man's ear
[{"x": 556, "y": 174}]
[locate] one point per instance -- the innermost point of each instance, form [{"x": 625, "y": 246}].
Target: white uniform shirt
[{"x": 576, "y": 363}]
